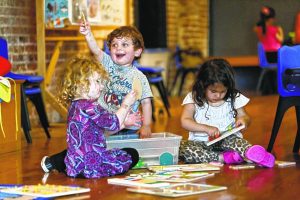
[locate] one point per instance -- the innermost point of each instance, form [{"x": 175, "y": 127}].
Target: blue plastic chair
[
  {"x": 31, "y": 89},
  {"x": 288, "y": 77},
  {"x": 154, "y": 76},
  {"x": 182, "y": 70},
  {"x": 264, "y": 65}
]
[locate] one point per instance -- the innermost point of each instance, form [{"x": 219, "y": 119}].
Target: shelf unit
[{"x": 42, "y": 38}]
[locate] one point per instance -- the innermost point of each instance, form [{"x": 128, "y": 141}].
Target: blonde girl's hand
[
  {"x": 130, "y": 98},
  {"x": 85, "y": 28},
  {"x": 133, "y": 119}
]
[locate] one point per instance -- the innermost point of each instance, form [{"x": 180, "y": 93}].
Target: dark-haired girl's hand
[
  {"x": 241, "y": 121},
  {"x": 212, "y": 132}
]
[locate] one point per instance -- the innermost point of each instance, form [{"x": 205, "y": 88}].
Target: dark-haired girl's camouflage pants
[{"x": 198, "y": 152}]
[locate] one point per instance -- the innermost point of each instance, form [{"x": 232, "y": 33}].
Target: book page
[
  {"x": 174, "y": 176},
  {"x": 225, "y": 134},
  {"x": 137, "y": 182},
  {"x": 185, "y": 167},
  {"x": 46, "y": 191},
  {"x": 179, "y": 190}
]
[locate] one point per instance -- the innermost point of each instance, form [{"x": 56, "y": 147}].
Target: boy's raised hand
[{"x": 85, "y": 28}]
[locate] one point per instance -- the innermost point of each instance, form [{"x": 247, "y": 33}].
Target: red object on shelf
[{"x": 5, "y": 66}]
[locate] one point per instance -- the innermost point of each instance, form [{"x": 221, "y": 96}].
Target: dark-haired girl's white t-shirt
[{"x": 218, "y": 116}]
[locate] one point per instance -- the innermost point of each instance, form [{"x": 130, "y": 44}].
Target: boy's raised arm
[{"x": 85, "y": 29}]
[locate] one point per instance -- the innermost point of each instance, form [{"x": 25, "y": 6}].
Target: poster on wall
[
  {"x": 76, "y": 8},
  {"x": 60, "y": 13},
  {"x": 56, "y": 13},
  {"x": 113, "y": 12}
]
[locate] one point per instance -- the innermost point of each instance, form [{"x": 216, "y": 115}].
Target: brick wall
[
  {"x": 188, "y": 27},
  {"x": 18, "y": 27},
  {"x": 188, "y": 24}
]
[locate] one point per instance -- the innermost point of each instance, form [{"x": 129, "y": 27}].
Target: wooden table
[{"x": 240, "y": 61}]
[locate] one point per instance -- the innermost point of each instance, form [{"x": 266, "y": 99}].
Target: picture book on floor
[
  {"x": 174, "y": 176},
  {"x": 185, "y": 167},
  {"x": 225, "y": 134},
  {"x": 8, "y": 196},
  {"x": 179, "y": 190},
  {"x": 137, "y": 181},
  {"x": 44, "y": 191}
]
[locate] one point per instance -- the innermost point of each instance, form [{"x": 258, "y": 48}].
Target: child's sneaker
[
  {"x": 46, "y": 165},
  {"x": 260, "y": 156},
  {"x": 232, "y": 157}
]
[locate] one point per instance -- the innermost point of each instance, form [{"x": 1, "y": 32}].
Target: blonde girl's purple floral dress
[{"x": 87, "y": 154}]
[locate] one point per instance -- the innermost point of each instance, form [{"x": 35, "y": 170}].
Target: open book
[
  {"x": 174, "y": 176},
  {"x": 137, "y": 181},
  {"x": 184, "y": 167},
  {"x": 225, "y": 134},
  {"x": 44, "y": 191},
  {"x": 179, "y": 190}
]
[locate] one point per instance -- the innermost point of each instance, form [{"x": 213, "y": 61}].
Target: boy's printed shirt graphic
[{"x": 120, "y": 84}]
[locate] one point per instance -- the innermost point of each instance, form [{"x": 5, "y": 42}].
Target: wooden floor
[{"x": 23, "y": 167}]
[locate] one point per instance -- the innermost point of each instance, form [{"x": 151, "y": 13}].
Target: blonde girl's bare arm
[
  {"x": 242, "y": 118},
  {"x": 279, "y": 34},
  {"x": 85, "y": 29},
  {"x": 188, "y": 122},
  {"x": 123, "y": 111}
]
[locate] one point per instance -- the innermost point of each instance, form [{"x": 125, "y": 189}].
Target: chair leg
[
  {"x": 37, "y": 100},
  {"x": 283, "y": 105},
  {"x": 165, "y": 93},
  {"x": 297, "y": 139},
  {"x": 260, "y": 79},
  {"x": 161, "y": 89},
  {"x": 184, "y": 73},
  {"x": 178, "y": 72},
  {"x": 25, "y": 116}
]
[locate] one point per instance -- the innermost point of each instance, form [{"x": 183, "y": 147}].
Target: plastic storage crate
[{"x": 160, "y": 149}]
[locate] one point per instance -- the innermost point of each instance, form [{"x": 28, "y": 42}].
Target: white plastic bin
[{"x": 157, "y": 150}]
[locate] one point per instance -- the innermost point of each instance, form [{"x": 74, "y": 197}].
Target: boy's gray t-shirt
[{"x": 120, "y": 84}]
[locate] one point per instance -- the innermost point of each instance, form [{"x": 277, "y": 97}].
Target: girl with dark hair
[
  {"x": 270, "y": 35},
  {"x": 213, "y": 104}
]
